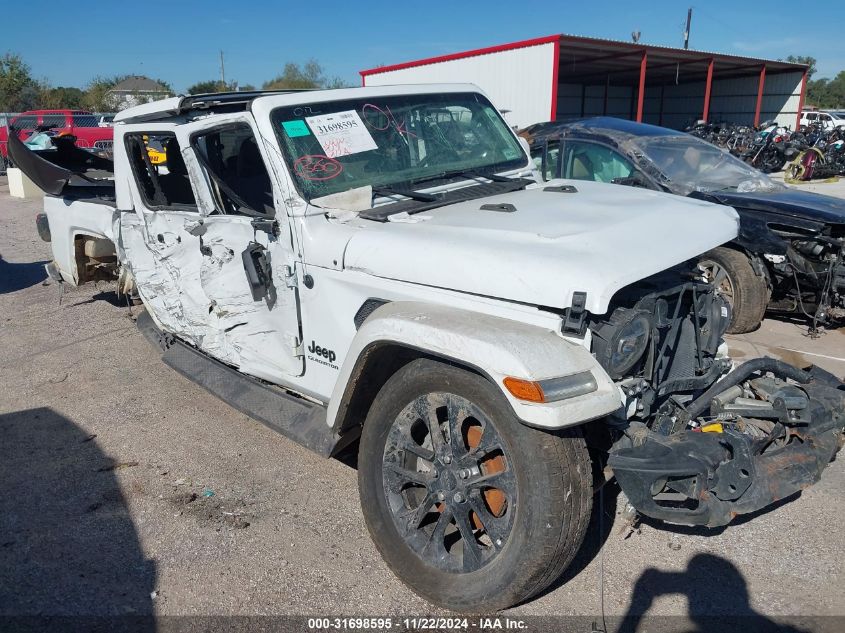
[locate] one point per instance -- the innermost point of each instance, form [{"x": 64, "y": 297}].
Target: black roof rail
[{"x": 215, "y": 99}]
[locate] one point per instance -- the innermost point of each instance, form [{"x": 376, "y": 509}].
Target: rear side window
[
  {"x": 85, "y": 120},
  {"x": 24, "y": 123},
  {"x": 160, "y": 171},
  {"x": 812, "y": 116},
  {"x": 53, "y": 120}
]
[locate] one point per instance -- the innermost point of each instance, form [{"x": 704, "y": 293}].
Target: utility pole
[
  {"x": 222, "y": 73},
  {"x": 686, "y": 30}
]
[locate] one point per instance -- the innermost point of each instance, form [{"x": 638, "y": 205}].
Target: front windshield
[
  {"x": 686, "y": 164},
  {"x": 409, "y": 141}
]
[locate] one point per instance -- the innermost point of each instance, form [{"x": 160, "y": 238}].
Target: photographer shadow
[
  {"x": 68, "y": 546},
  {"x": 717, "y": 596}
]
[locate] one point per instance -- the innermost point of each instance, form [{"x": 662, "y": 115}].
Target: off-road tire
[
  {"x": 553, "y": 476},
  {"x": 750, "y": 291}
]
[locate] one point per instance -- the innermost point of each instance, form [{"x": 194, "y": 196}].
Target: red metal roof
[{"x": 586, "y": 58}]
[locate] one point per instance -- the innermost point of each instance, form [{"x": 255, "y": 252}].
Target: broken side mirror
[{"x": 259, "y": 274}]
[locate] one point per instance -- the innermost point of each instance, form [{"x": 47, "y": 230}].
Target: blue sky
[{"x": 258, "y": 37}]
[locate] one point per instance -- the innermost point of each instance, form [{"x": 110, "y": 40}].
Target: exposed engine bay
[
  {"x": 810, "y": 277},
  {"x": 699, "y": 441}
]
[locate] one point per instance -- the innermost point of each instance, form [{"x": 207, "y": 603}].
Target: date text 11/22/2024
[{"x": 417, "y": 624}]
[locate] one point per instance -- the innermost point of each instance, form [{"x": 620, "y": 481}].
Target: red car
[{"x": 83, "y": 125}]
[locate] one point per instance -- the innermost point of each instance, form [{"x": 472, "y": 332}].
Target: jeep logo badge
[{"x": 317, "y": 351}]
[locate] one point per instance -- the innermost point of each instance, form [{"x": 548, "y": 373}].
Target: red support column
[
  {"x": 708, "y": 86},
  {"x": 555, "y": 78},
  {"x": 760, "y": 84},
  {"x": 801, "y": 100},
  {"x": 641, "y": 95}
]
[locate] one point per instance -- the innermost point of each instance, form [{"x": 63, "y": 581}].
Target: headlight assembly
[{"x": 620, "y": 342}]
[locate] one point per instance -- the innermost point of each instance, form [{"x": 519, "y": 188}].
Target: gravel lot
[{"x": 127, "y": 489}]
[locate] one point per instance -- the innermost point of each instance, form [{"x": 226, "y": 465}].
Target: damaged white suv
[{"x": 379, "y": 266}]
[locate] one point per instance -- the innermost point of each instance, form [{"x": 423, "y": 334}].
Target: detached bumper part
[{"x": 708, "y": 478}]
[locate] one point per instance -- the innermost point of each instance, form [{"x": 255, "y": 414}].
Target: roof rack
[
  {"x": 174, "y": 106},
  {"x": 214, "y": 99}
]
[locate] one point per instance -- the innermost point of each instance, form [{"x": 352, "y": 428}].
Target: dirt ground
[{"x": 126, "y": 489}]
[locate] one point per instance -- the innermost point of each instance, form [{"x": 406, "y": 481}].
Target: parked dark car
[{"x": 788, "y": 257}]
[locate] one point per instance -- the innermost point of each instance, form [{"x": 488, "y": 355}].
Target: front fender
[{"x": 495, "y": 347}]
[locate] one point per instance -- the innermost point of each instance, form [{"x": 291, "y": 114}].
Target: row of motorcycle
[{"x": 811, "y": 152}]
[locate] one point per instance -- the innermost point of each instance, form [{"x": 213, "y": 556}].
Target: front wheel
[
  {"x": 470, "y": 508},
  {"x": 733, "y": 276}
]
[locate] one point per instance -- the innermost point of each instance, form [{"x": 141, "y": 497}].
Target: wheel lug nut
[
  {"x": 464, "y": 473},
  {"x": 459, "y": 498},
  {"x": 447, "y": 459},
  {"x": 498, "y": 542},
  {"x": 441, "y": 496},
  {"x": 434, "y": 474}
]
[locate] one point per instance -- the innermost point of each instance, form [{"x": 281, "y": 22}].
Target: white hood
[{"x": 597, "y": 240}]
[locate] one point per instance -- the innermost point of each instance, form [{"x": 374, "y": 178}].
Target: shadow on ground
[
  {"x": 14, "y": 277},
  {"x": 717, "y": 597},
  {"x": 68, "y": 546}
]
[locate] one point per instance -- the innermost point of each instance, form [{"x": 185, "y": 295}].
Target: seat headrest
[
  {"x": 175, "y": 162},
  {"x": 249, "y": 159}
]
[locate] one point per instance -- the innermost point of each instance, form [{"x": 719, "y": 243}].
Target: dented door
[
  {"x": 246, "y": 256},
  {"x": 157, "y": 234}
]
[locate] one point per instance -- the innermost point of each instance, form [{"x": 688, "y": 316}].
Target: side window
[
  {"x": 589, "y": 161},
  {"x": 23, "y": 123},
  {"x": 238, "y": 176},
  {"x": 54, "y": 121},
  {"x": 551, "y": 151},
  {"x": 824, "y": 117},
  {"x": 812, "y": 116},
  {"x": 85, "y": 120},
  {"x": 160, "y": 171}
]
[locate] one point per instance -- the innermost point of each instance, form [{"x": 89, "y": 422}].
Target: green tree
[
  {"x": 310, "y": 75},
  {"x": 804, "y": 59},
  {"x": 827, "y": 93},
  {"x": 61, "y": 97},
  {"x": 18, "y": 90},
  {"x": 97, "y": 93},
  {"x": 212, "y": 85}
]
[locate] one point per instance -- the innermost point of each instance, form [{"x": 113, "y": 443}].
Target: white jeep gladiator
[{"x": 379, "y": 268}]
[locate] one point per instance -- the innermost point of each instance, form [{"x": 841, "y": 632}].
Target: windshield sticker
[
  {"x": 317, "y": 167},
  {"x": 341, "y": 133},
  {"x": 510, "y": 154},
  {"x": 296, "y": 127}
]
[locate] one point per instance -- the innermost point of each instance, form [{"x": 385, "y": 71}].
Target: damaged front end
[
  {"x": 701, "y": 444},
  {"x": 810, "y": 276}
]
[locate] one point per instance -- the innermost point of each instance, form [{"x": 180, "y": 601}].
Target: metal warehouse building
[{"x": 563, "y": 76}]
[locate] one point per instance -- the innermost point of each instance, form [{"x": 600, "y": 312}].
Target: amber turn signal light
[
  {"x": 551, "y": 389},
  {"x": 524, "y": 389}
]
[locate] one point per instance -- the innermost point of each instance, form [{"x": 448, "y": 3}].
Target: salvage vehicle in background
[
  {"x": 825, "y": 119},
  {"x": 788, "y": 256},
  {"x": 379, "y": 267},
  {"x": 85, "y": 126}
]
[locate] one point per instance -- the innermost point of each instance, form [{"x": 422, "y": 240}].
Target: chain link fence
[{"x": 5, "y": 117}]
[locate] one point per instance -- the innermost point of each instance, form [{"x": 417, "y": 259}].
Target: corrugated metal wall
[
  {"x": 519, "y": 80},
  {"x": 732, "y": 99}
]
